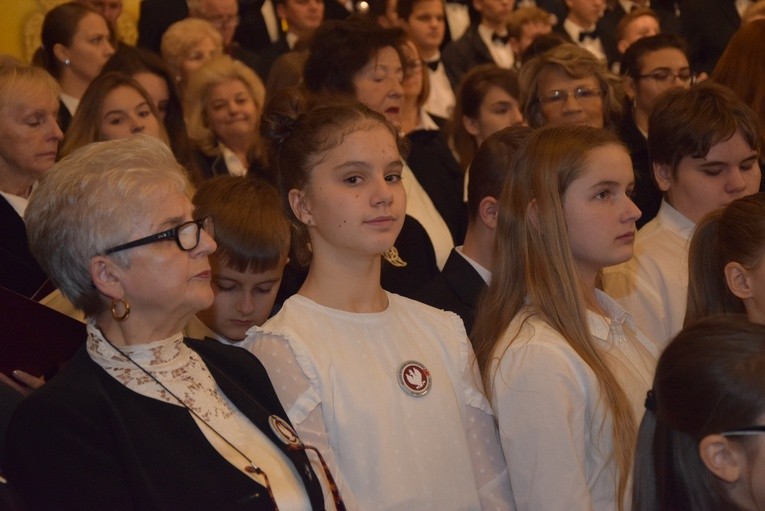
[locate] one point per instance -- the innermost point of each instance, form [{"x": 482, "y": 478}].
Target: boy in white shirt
[{"x": 704, "y": 146}]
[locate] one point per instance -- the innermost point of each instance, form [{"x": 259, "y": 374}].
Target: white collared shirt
[
  {"x": 441, "y": 99},
  {"x": 594, "y": 46},
  {"x": 478, "y": 267},
  {"x": 555, "y": 432},
  {"x": 70, "y": 102},
  {"x": 233, "y": 163},
  {"x": 653, "y": 285},
  {"x": 501, "y": 53},
  {"x": 19, "y": 204}
]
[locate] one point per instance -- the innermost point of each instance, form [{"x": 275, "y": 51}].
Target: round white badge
[{"x": 414, "y": 378}]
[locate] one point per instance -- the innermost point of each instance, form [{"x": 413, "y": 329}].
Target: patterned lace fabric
[{"x": 170, "y": 361}]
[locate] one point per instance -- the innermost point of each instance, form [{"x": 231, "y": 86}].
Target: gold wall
[{"x": 20, "y": 22}]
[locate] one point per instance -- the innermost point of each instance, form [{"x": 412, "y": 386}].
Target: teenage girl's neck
[
  {"x": 589, "y": 281},
  {"x": 351, "y": 286}
]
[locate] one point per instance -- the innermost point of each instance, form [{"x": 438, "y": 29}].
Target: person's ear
[
  {"x": 61, "y": 53},
  {"x": 471, "y": 125},
  {"x": 629, "y": 87},
  {"x": 737, "y": 278},
  {"x": 300, "y": 207},
  {"x": 106, "y": 275},
  {"x": 487, "y": 210},
  {"x": 721, "y": 457},
  {"x": 662, "y": 173},
  {"x": 622, "y": 45}
]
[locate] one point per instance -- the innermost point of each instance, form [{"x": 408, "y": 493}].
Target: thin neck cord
[{"x": 251, "y": 468}]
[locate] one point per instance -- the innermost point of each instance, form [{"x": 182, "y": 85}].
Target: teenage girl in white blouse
[
  {"x": 384, "y": 386},
  {"x": 565, "y": 367}
]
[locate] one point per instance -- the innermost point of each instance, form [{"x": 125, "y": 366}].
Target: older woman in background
[
  {"x": 75, "y": 45},
  {"x": 187, "y": 44},
  {"x": 142, "y": 418},
  {"x": 114, "y": 106},
  {"x": 222, "y": 104},
  {"x": 568, "y": 85},
  {"x": 29, "y": 137}
]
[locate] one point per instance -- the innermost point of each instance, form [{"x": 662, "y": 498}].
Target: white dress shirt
[
  {"x": 500, "y": 52},
  {"x": 653, "y": 285},
  {"x": 594, "y": 46},
  {"x": 553, "y": 425}
]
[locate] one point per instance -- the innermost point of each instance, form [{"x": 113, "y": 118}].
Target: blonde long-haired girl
[{"x": 564, "y": 366}]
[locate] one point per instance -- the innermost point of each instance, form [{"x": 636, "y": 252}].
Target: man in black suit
[
  {"x": 467, "y": 271},
  {"x": 708, "y": 25},
  {"x": 483, "y": 43},
  {"x": 156, "y": 15}
]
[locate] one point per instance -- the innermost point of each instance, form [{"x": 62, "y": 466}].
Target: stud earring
[{"x": 66, "y": 62}]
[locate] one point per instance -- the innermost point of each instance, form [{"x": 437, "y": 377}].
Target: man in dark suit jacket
[
  {"x": 708, "y": 25},
  {"x": 483, "y": 43},
  {"x": 665, "y": 13},
  {"x": 156, "y": 15},
  {"x": 468, "y": 269}
]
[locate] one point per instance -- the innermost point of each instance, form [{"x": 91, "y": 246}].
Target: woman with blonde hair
[
  {"x": 187, "y": 44},
  {"x": 563, "y": 364},
  {"x": 114, "y": 106},
  {"x": 29, "y": 138},
  {"x": 222, "y": 104},
  {"x": 569, "y": 85}
]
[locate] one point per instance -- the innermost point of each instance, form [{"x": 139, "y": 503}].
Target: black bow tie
[
  {"x": 433, "y": 65},
  {"x": 496, "y": 38},
  {"x": 584, "y": 35}
]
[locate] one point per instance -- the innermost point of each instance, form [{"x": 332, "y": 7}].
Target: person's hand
[{"x": 26, "y": 382}]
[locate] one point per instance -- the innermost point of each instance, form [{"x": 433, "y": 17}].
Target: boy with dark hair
[
  {"x": 424, "y": 23},
  {"x": 486, "y": 42},
  {"x": 704, "y": 147}
]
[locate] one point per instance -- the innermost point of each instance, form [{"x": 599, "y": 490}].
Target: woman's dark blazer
[{"x": 85, "y": 441}]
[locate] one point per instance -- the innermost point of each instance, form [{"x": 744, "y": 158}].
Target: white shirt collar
[
  {"x": 609, "y": 328},
  {"x": 233, "y": 163},
  {"x": 672, "y": 220},
  {"x": 478, "y": 267},
  {"x": 70, "y": 102},
  {"x": 19, "y": 204},
  {"x": 196, "y": 329}
]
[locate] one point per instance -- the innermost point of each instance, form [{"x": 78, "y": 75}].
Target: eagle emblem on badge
[{"x": 414, "y": 378}]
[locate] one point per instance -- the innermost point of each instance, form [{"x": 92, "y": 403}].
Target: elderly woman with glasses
[
  {"x": 142, "y": 418},
  {"x": 568, "y": 85}
]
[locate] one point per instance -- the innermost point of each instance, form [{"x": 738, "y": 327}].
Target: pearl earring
[{"x": 66, "y": 62}]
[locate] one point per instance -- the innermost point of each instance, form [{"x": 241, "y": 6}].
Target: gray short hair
[{"x": 90, "y": 201}]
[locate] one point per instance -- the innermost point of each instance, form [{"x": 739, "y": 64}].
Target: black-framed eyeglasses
[
  {"x": 750, "y": 430},
  {"x": 559, "y": 97},
  {"x": 665, "y": 75},
  {"x": 186, "y": 235}
]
